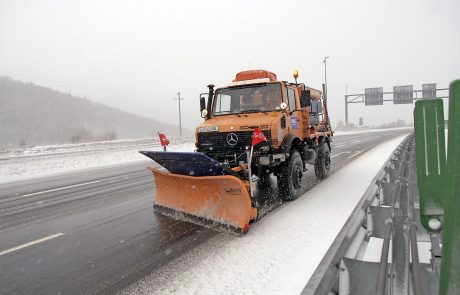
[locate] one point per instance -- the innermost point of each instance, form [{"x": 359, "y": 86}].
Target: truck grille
[{"x": 215, "y": 144}]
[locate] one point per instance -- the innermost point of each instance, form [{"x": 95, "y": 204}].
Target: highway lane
[{"x": 94, "y": 231}]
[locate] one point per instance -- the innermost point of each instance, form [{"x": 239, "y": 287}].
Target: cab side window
[{"x": 291, "y": 98}]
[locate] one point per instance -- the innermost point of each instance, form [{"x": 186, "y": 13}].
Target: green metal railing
[
  {"x": 431, "y": 161},
  {"x": 439, "y": 180}
]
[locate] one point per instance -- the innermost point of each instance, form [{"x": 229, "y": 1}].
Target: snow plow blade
[
  {"x": 211, "y": 199},
  {"x": 218, "y": 200}
]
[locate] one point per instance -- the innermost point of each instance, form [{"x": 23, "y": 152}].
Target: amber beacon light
[{"x": 295, "y": 74}]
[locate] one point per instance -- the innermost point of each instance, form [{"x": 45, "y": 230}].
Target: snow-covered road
[
  {"x": 281, "y": 251},
  {"x": 19, "y": 168},
  {"x": 111, "y": 240}
]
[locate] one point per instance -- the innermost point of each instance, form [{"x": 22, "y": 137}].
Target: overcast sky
[{"x": 136, "y": 55}]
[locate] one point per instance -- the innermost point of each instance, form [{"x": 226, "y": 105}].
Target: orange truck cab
[{"x": 292, "y": 117}]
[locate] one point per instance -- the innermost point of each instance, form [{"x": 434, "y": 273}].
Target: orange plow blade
[{"x": 221, "y": 199}]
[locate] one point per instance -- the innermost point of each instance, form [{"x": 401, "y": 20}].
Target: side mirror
[
  {"x": 202, "y": 102},
  {"x": 305, "y": 98}
]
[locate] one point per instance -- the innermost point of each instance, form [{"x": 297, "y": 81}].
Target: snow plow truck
[{"x": 215, "y": 184}]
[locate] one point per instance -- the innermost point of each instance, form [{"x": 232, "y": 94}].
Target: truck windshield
[{"x": 246, "y": 99}]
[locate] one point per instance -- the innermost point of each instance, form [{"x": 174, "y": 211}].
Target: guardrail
[
  {"x": 392, "y": 210},
  {"x": 367, "y": 220},
  {"x": 90, "y": 147},
  {"x": 439, "y": 182}
]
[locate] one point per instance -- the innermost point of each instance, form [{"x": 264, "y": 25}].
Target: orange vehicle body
[
  {"x": 227, "y": 199},
  {"x": 271, "y": 120},
  {"x": 255, "y": 74}
]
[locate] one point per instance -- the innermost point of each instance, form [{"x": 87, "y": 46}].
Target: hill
[{"x": 31, "y": 114}]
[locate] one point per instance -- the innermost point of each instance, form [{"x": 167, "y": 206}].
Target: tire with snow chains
[
  {"x": 323, "y": 161},
  {"x": 290, "y": 177}
]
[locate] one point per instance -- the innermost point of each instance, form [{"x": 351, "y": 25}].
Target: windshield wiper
[
  {"x": 249, "y": 111},
  {"x": 227, "y": 114},
  {"x": 254, "y": 111}
]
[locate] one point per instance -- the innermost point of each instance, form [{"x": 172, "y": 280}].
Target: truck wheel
[
  {"x": 323, "y": 161},
  {"x": 290, "y": 178}
]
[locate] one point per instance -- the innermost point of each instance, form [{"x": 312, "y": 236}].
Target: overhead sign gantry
[{"x": 404, "y": 94}]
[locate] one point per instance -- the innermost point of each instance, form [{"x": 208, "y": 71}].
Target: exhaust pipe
[{"x": 211, "y": 94}]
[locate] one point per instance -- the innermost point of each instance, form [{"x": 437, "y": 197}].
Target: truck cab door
[{"x": 295, "y": 119}]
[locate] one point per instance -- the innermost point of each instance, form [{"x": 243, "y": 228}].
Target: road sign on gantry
[
  {"x": 373, "y": 96},
  {"x": 403, "y": 94},
  {"x": 429, "y": 91}
]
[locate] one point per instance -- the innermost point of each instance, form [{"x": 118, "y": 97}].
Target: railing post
[
  {"x": 431, "y": 161},
  {"x": 450, "y": 263}
]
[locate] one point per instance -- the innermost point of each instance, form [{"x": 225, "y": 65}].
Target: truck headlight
[{"x": 264, "y": 161}]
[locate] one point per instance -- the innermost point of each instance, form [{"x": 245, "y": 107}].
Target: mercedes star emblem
[{"x": 232, "y": 138}]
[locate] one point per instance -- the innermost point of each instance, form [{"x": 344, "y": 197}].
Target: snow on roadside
[
  {"x": 20, "y": 168},
  {"x": 361, "y": 131},
  {"x": 87, "y": 147},
  {"x": 282, "y": 250}
]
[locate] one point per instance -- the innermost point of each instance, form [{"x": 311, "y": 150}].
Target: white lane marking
[
  {"x": 355, "y": 141},
  {"x": 337, "y": 146},
  {"x": 336, "y": 155},
  {"x": 59, "y": 188},
  {"x": 424, "y": 138},
  {"x": 30, "y": 244},
  {"x": 437, "y": 139},
  {"x": 354, "y": 155}
]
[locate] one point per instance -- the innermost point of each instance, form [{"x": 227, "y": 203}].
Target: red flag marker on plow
[
  {"x": 258, "y": 137},
  {"x": 163, "y": 140}
]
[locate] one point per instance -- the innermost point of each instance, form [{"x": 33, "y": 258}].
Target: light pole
[
  {"x": 325, "y": 75},
  {"x": 346, "y": 105},
  {"x": 180, "y": 119},
  {"x": 325, "y": 91}
]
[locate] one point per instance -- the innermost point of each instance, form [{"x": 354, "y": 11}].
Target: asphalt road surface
[{"x": 95, "y": 231}]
